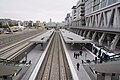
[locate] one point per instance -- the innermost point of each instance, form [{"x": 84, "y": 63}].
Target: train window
[
  {"x": 106, "y": 57},
  {"x": 93, "y": 50}
]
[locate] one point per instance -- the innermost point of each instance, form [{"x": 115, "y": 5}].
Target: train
[{"x": 99, "y": 52}]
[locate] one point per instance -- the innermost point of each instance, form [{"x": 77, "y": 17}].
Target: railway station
[
  {"x": 55, "y": 54},
  {"x": 86, "y": 46}
]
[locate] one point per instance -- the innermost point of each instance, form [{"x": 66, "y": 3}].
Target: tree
[{"x": 0, "y": 24}]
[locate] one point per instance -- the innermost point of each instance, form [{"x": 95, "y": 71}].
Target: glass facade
[
  {"x": 111, "y": 1},
  {"x": 93, "y": 5}
]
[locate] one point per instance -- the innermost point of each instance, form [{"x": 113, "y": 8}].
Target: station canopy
[
  {"x": 70, "y": 37},
  {"x": 43, "y": 37},
  {"x": 7, "y": 70}
]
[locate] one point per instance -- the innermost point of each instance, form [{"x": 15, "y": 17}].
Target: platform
[
  {"x": 70, "y": 37},
  {"x": 43, "y": 38},
  {"x": 82, "y": 73},
  {"x": 33, "y": 56}
]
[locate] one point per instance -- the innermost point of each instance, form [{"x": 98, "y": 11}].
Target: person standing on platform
[
  {"x": 101, "y": 59},
  {"x": 74, "y": 54},
  {"x": 78, "y": 55},
  {"x": 30, "y": 62},
  {"x": 95, "y": 59},
  {"x": 81, "y": 53},
  {"x": 78, "y": 65},
  {"x": 82, "y": 61},
  {"x": 41, "y": 46}
]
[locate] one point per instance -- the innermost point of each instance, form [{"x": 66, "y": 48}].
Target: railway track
[
  {"x": 54, "y": 68},
  {"x": 14, "y": 50}
]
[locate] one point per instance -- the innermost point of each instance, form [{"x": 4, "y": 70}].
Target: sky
[{"x": 35, "y": 10}]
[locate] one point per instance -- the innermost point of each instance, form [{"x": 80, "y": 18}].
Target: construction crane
[{"x": 9, "y": 28}]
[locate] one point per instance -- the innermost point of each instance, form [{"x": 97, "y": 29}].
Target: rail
[
  {"x": 13, "y": 38},
  {"x": 39, "y": 64},
  {"x": 54, "y": 64},
  {"x": 9, "y": 52},
  {"x": 51, "y": 65},
  {"x": 72, "y": 69}
]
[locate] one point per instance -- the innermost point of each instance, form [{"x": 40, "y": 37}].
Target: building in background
[
  {"x": 78, "y": 12},
  {"x": 68, "y": 20},
  {"x": 62, "y": 24},
  {"x": 51, "y": 24},
  {"x": 73, "y": 16},
  {"x": 30, "y": 23},
  {"x": 25, "y": 23},
  {"x": 4, "y": 22},
  {"x": 98, "y": 15},
  {"x": 39, "y": 24}
]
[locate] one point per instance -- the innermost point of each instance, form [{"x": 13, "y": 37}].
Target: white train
[{"x": 100, "y": 53}]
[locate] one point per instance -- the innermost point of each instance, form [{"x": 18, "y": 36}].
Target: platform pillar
[
  {"x": 88, "y": 35},
  {"x": 114, "y": 42},
  {"x": 84, "y": 34},
  {"x": 81, "y": 32},
  {"x": 94, "y": 35},
  {"x": 102, "y": 39},
  {"x": 77, "y": 31}
]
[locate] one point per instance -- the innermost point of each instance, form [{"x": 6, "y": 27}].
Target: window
[{"x": 112, "y": 1}]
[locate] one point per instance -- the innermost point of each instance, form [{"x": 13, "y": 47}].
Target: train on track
[{"x": 99, "y": 52}]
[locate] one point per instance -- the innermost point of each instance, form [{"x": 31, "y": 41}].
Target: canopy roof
[{"x": 70, "y": 37}]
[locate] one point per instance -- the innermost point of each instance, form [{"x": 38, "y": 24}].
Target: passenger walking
[
  {"x": 78, "y": 65},
  {"x": 30, "y": 62},
  {"x": 81, "y": 53},
  {"x": 95, "y": 59},
  {"x": 78, "y": 55},
  {"x": 99, "y": 53},
  {"x": 82, "y": 61},
  {"x": 74, "y": 54},
  {"x": 101, "y": 60}
]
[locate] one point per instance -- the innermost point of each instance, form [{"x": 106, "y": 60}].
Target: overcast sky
[{"x": 34, "y": 10}]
